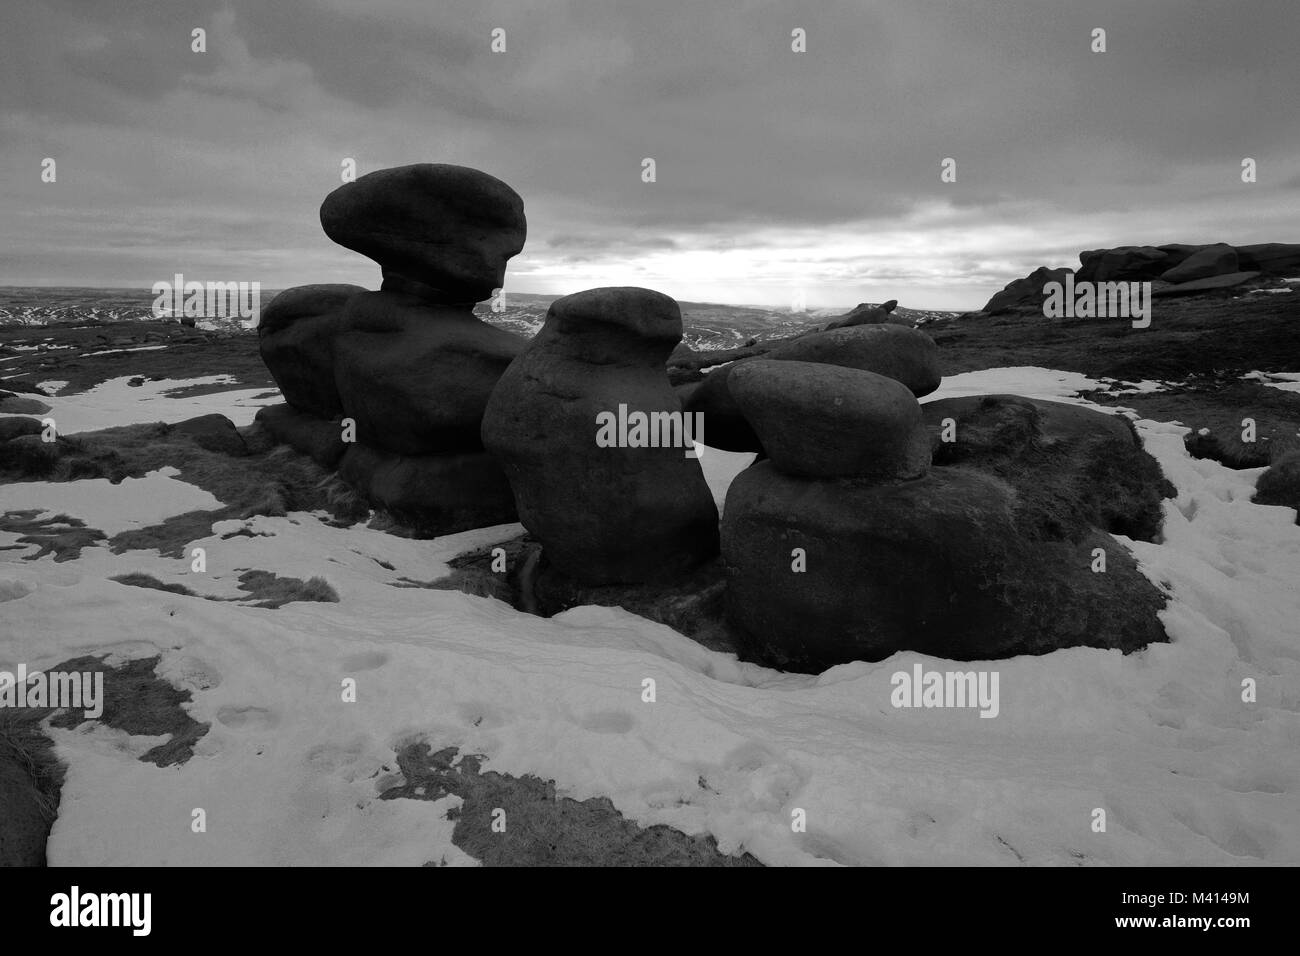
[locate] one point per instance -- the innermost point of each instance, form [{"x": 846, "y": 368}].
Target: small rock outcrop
[
  {"x": 1026, "y": 292},
  {"x": 864, "y": 314},
  {"x": 1174, "y": 269}
]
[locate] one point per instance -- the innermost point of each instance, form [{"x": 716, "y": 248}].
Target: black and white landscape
[{"x": 737, "y": 434}]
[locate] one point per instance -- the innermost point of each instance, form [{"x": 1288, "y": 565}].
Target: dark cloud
[{"x": 773, "y": 168}]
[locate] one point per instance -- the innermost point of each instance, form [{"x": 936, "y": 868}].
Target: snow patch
[
  {"x": 133, "y": 503},
  {"x": 114, "y": 402},
  {"x": 291, "y": 775}
]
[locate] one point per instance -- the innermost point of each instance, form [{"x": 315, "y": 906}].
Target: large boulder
[
  {"x": 295, "y": 335},
  {"x": 1073, "y": 468},
  {"x": 431, "y": 494},
  {"x": 906, "y": 355},
  {"x": 1274, "y": 258},
  {"x": 939, "y": 565},
  {"x": 1129, "y": 263},
  {"x": 826, "y": 421},
  {"x": 416, "y": 376},
  {"x": 604, "y": 514},
  {"x": 1026, "y": 292},
  {"x": 444, "y": 231},
  {"x": 992, "y": 552},
  {"x": 1216, "y": 260}
]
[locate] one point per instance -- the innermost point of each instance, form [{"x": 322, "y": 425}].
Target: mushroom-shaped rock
[{"x": 445, "y": 232}]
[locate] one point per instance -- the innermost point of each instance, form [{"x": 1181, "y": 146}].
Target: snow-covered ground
[
  {"x": 115, "y": 402},
  {"x": 290, "y": 774},
  {"x": 1286, "y": 381}
]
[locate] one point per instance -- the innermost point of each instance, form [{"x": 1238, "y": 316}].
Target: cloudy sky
[{"x": 779, "y": 174}]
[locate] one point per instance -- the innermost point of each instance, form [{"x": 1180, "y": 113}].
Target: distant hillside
[{"x": 708, "y": 325}]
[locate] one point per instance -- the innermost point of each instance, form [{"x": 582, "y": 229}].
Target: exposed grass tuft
[
  {"x": 138, "y": 579},
  {"x": 272, "y": 591}
]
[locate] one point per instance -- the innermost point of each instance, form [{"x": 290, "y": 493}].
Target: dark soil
[
  {"x": 136, "y": 700},
  {"x": 540, "y": 827}
]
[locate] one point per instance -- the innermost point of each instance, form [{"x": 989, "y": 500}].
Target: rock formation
[
  {"x": 906, "y": 355},
  {"x": 1216, "y": 260},
  {"x": 865, "y": 425},
  {"x": 415, "y": 375},
  {"x": 1174, "y": 269},
  {"x": 448, "y": 229},
  {"x": 991, "y": 554},
  {"x": 625, "y": 511},
  {"x": 864, "y": 314},
  {"x": 1026, "y": 292},
  {"x": 295, "y": 334},
  {"x": 968, "y": 528},
  {"x": 390, "y": 386}
]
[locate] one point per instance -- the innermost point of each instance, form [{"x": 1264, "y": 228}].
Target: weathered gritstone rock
[
  {"x": 1026, "y": 292},
  {"x": 296, "y": 334},
  {"x": 991, "y": 553},
  {"x": 318, "y": 439},
  {"x": 863, "y": 314},
  {"x": 446, "y": 230},
  {"x": 416, "y": 377},
  {"x": 1215, "y": 260},
  {"x": 407, "y": 370},
  {"x": 903, "y": 354},
  {"x": 604, "y": 515},
  {"x": 937, "y": 565},
  {"x": 1129, "y": 263},
  {"x": 825, "y": 421},
  {"x": 1274, "y": 258},
  {"x": 432, "y": 494},
  {"x": 1072, "y": 468}
]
